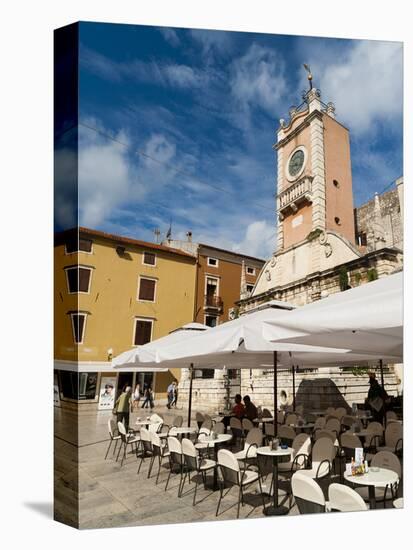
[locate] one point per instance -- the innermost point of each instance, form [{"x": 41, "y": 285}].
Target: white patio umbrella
[
  {"x": 132, "y": 357},
  {"x": 366, "y": 319},
  {"x": 239, "y": 344}
]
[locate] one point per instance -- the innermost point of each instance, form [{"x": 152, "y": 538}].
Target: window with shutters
[
  {"x": 149, "y": 258},
  {"x": 78, "y": 327},
  {"x": 143, "y": 331},
  {"x": 147, "y": 289},
  {"x": 78, "y": 279}
]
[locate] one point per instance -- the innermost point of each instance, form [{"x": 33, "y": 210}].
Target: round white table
[
  {"x": 380, "y": 478},
  {"x": 275, "y": 509},
  {"x": 208, "y": 441}
]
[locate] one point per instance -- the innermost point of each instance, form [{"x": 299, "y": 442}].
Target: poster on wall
[
  {"x": 56, "y": 393},
  {"x": 107, "y": 393}
]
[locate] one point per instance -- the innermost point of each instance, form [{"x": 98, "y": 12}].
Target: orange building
[{"x": 222, "y": 278}]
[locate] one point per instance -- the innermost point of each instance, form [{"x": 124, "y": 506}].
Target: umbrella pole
[
  {"x": 191, "y": 377},
  {"x": 293, "y": 369},
  {"x": 381, "y": 373},
  {"x": 275, "y": 396}
]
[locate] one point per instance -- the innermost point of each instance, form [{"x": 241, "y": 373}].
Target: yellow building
[{"x": 112, "y": 293}]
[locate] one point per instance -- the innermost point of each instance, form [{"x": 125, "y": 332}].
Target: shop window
[
  {"x": 78, "y": 279},
  {"x": 79, "y": 386},
  {"x": 143, "y": 331},
  {"x": 147, "y": 288}
]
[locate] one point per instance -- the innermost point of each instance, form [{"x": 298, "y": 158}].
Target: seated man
[
  {"x": 238, "y": 409},
  {"x": 251, "y": 411}
]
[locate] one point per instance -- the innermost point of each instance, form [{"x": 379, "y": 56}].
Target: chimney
[{"x": 189, "y": 236}]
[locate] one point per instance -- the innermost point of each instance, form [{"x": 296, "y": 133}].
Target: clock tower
[{"x": 314, "y": 185}]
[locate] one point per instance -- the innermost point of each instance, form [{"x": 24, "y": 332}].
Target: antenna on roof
[{"x": 157, "y": 234}]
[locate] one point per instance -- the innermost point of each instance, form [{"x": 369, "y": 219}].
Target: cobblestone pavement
[{"x": 113, "y": 496}]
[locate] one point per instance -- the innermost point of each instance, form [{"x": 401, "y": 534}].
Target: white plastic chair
[
  {"x": 301, "y": 447},
  {"x": 322, "y": 457},
  {"x": 232, "y": 475},
  {"x": 112, "y": 436},
  {"x": 194, "y": 463},
  {"x": 342, "y": 498},
  {"x": 146, "y": 443},
  {"x": 307, "y": 494},
  {"x": 176, "y": 461},
  {"x": 160, "y": 451},
  {"x": 126, "y": 439},
  {"x": 252, "y": 442}
]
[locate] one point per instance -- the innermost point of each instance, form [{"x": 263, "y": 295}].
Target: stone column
[
  {"x": 318, "y": 170},
  {"x": 280, "y": 176}
]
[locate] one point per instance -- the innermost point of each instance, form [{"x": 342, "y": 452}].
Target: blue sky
[{"x": 192, "y": 115}]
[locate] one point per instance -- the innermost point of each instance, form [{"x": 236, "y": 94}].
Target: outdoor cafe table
[
  {"x": 207, "y": 442},
  {"x": 180, "y": 432},
  {"x": 275, "y": 509},
  {"x": 379, "y": 478}
]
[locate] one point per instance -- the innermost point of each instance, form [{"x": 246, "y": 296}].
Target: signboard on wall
[{"x": 107, "y": 393}]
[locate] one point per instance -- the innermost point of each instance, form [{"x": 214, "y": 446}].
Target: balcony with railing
[
  {"x": 300, "y": 191},
  {"x": 213, "y": 302}
]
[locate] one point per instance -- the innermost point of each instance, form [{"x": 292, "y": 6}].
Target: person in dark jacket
[
  {"x": 376, "y": 398},
  {"x": 251, "y": 411}
]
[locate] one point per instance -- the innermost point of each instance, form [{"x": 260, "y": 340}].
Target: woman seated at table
[
  {"x": 251, "y": 411},
  {"x": 238, "y": 409}
]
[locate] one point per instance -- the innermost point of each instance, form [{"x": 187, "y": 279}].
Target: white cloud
[
  {"x": 170, "y": 35},
  {"x": 164, "y": 74},
  {"x": 212, "y": 41},
  {"x": 183, "y": 76},
  {"x": 112, "y": 176},
  {"x": 259, "y": 240},
  {"x": 257, "y": 78},
  {"x": 106, "y": 177},
  {"x": 365, "y": 83}
]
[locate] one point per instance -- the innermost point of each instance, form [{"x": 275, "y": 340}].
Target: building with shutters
[{"x": 112, "y": 293}]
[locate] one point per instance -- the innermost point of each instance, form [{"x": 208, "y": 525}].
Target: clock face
[{"x": 296, "y": 163}]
